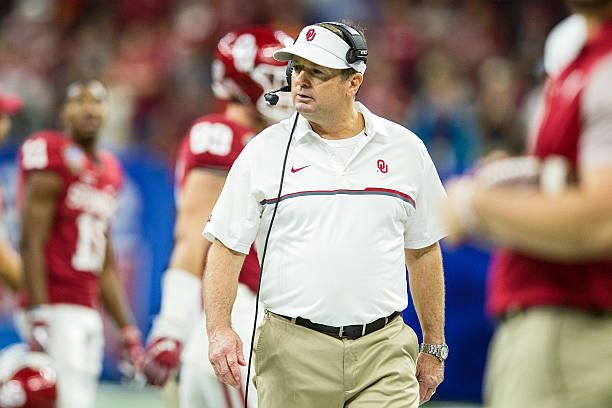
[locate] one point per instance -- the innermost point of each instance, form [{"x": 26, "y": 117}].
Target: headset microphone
[{"x": 272, "y": 98}]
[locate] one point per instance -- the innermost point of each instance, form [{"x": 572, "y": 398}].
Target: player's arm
[
  {"x": 220, "y": 287},
  {"x": 573, "y": 226},
  {"x": 42, "y": 192},
  {"x": 112, "y": 292},
  {"x": 426, "y": 280},
  {"x": 117, "y": 306},
  {"x": 198, "y": 197},
  {"x": 181, "y": 284},
  {"x": 10, "y": 266}
]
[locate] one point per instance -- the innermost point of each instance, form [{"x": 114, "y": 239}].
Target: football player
[
  {"x": 243, "y": 70},
  {"x": 10, "y": 263},
  {"x": 68, "y": 190}
]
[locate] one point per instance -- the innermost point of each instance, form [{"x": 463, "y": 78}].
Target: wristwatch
[{"x": 440, "y": 350}]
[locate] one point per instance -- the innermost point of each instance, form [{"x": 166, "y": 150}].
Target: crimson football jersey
[
  {"x": 76, "y": 248},
  {"x": 519, "y": 281},
  {"x": 214, "y": 142}
]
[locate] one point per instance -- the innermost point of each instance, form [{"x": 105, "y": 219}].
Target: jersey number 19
[{"x": 91, "y": 243}]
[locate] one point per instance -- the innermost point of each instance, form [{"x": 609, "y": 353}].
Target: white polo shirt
[{"x": 336, "y": 250}]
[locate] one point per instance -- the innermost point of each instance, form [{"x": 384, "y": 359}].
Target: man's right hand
[
  {"x": 38, "y": 322},
  {"x": 225, "y": 355},
  {"x": 162, "y": 359}
]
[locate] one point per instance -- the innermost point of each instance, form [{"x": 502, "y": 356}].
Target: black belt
[{"x": 354, "y": 331}]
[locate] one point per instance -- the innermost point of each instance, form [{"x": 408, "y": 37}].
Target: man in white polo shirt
[{"x": 358, "y": 203}]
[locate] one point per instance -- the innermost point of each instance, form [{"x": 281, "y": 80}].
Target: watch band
[{"x": 440, "y": 350}]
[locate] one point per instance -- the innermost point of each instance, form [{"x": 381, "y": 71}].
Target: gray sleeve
[{"x": 595, "y": 148}]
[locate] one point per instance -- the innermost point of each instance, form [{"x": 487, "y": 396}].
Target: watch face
[{"x": 444, "y": 352}]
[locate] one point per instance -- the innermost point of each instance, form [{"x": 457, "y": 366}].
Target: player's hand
[
  {"x": 132, "y": 352},
  {"x": 493, "y": 156},
  {"x": 161, "y": 360},
  {"x": 457, "y": 212},
  {"x": 38, "y": 321},
  {"x": 225, "y": 355},
  {"x": 430, "y": 374}
]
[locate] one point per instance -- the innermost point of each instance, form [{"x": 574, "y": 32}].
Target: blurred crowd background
[
  {"x": 457, "y": 72},
  {"x": 462, "y": 74}
]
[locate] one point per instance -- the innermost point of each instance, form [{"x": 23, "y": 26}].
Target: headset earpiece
[
  {"x": 358, "y": 50},
  {"x": 356, "y": 54}
]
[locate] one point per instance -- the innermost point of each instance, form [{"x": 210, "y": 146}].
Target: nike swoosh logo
[{"x": 293, "y": 170}]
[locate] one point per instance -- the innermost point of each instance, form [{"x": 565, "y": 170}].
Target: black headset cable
[{"x": 263, "y": 259}]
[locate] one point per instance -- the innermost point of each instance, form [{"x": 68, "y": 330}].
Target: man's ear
[{"x": 355, "y": 82}]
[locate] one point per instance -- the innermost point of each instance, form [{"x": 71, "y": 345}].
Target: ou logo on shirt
[{"x": 382, "y": 166}]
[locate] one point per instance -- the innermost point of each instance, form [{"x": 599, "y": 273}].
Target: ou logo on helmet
[
  {"x": 310, "y": 34},
  {"x": 244, "y": 52}
]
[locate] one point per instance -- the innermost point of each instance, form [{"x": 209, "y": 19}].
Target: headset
[{"x": 358, "y": 51}]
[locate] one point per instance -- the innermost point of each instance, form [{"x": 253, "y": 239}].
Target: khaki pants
[
  {"x": 301, "y": 368},
  {"x": 551, "y": 358}
]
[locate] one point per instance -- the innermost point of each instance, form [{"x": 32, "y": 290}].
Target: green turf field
[{"x": 112, "y": 395}]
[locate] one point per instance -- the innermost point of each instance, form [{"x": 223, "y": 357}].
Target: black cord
[{"x": 263, "y": 258}]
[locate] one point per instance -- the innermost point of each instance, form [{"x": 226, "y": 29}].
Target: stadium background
[{"x": 462, "y": 74}]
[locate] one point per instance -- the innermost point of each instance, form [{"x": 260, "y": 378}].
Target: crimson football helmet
[
  {"x": 27, "y": 379},
  {"x": 245, "y": 69}
]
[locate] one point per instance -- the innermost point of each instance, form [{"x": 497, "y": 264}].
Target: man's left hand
[{"x": 429, "y": 373}]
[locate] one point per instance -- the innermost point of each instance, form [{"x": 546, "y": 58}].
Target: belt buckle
[{"x": 341, "y": 331}]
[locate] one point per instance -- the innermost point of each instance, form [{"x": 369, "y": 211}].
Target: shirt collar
[{"x": 373, "y": 124}]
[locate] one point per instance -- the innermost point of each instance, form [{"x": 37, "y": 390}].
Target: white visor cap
[{"x": 321, "y": 46}]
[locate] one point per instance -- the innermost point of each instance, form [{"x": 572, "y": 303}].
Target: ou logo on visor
[
  {"x": 382, "y": 166},
  {"x": 310, "y": 34}
]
